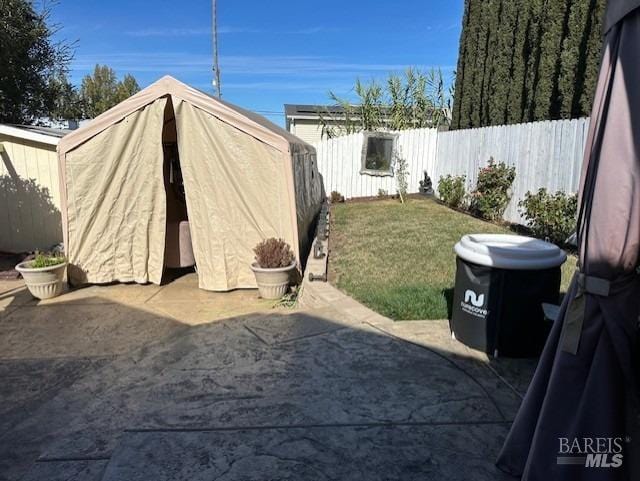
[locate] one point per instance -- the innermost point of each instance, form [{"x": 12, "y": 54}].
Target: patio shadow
[{"x": 122, "y": 391}]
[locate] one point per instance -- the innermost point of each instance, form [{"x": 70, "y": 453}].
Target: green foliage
[
  {"x": 290, "y": 299},
  {"x": 550, "y": 216},
  {"x": 30, "y": 61},
  {"x": 382, "y": 193},
  {"x": 555, "y": 18},
  {"x": 336, "y": 197},
  {"x": 527, "y": 60},
  {"x": 401, "y": 175},
  {"x": 46, "y": 260},
  {"x": 126, "y": 88},
  {"x": 101, "y": 90},
  {"x": 414, "y": 100},
  {"x": 451, "y": 190},
  {"x": 67, "y": 103},
  {"x": 493, "y": 190},
  {"x": 273, "y": 253}
]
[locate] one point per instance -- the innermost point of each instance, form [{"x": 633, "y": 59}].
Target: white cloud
[
  {"x": 223, "y": 30},
  {"x": 297, "y": 66}
]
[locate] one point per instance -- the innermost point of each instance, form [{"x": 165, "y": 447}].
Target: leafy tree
[
  {"x": 126, "y": 88},
  {"x": 31, "y": 61},
  {"x": 415, "y": 100},
  {"x": 67, "y": 103},
  {"x": 101, "y": 90}
]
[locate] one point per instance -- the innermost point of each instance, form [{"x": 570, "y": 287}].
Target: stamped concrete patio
[{"x": 131, "y": 382}]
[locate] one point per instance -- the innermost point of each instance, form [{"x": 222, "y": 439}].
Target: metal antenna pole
[{"x": 216, "y": 67}]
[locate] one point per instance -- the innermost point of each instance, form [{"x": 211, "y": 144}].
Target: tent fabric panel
[
  {"x": 237, "y": 195},
  {"x": 116, "y": 204},
  {"x": 249, "y": 122},
  {"x": 617, "y": 10},
  {"x": 111, "y": 117},
  {"x": 309, "y": 193}
]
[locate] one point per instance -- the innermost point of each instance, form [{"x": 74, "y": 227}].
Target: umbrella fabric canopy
[{"x": 586, "y": 383}]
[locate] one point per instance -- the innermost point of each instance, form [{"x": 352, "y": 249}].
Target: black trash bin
[{"x": 501, "y": 283}]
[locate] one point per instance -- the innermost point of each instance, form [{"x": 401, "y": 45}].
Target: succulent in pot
[
  {"x": 43, "y": 274},
  {"x": 273, "y": 266}
]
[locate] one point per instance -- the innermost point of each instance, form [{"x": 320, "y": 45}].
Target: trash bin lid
[{"x": 505, "y": 251}]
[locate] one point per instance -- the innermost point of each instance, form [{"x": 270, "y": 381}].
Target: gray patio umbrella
[{"x": 586, "y": 383}]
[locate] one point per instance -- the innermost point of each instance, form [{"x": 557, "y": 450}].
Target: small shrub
[
  {"x": 46, "y": 260},
  {"x": 336, "y": 197},
  {"x": 382, "y": 193},
  {"x": 452, "y": 190},
  {"x": 401, "y": 174},
  {"x": 550, "y": 216},
  {"x": 272, "y": 253},
  {"x": 493, "y": 190}
]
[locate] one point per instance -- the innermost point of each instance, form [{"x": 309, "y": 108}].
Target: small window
[{"x": 377, "y": 153}]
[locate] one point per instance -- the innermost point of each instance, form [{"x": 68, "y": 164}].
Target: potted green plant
[
  {"x": 43, "y": 274},
  {"x": 274, "y": 262}
]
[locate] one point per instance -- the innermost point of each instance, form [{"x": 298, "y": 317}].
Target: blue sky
[{"x": 271, "y": 52}]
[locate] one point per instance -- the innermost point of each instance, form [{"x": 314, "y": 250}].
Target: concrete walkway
[{"x": 133, "y": 383}]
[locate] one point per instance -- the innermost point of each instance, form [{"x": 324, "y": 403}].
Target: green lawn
[{"x": 398, "y": 259}]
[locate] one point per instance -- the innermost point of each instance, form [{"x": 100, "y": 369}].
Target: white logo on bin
[
  {"x": 473, "y": 303},
  {"x": 473, "y": 298}
]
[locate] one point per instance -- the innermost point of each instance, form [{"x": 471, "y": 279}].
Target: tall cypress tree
[
  {"x": 516, "y": 97},
  {"x": 534, "y": 54},
  {"x": 494, "y": 21},
  {"x": 546, "y": 99},
  {"x": 577, "y": 31},
  {"x": 471, "y": 52},
  {"x": 482, "y": 54},
  {"x": 498, "y": 91},
  {"x": 461, "y": 70},
  {"x": 592, "y": 57},
  {"x": 526, "y": 60}
]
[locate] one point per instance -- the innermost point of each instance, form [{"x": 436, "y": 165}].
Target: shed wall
[{"x": 29, "y": 196}]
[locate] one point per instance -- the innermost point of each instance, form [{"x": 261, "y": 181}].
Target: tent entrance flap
[
  {"x": 116, "y": 203},
  {"x": 178, "y": 248}
]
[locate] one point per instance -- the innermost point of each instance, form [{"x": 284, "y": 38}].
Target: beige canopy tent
[{"x": 243, "y": 179}]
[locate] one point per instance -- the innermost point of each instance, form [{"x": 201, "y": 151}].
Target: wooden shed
[{"x": 29, "y": 188}]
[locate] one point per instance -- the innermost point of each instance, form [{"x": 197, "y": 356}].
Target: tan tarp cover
[
  {"x": 232, "y": 205},
  {"x": 116, "y": 201},
  {"x": 245, "y": 179}
]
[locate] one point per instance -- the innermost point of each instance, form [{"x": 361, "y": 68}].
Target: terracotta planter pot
[
  {"x": 272, "y": 283},
  {"x": 42, "y": 282}
]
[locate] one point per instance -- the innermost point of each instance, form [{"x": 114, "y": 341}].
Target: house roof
[
  {"x": 314, "y": 111},
  {"x": 34, "y": 133},
  {"x": 302, "y": 110},
  {"x": 244, "y": 120}
]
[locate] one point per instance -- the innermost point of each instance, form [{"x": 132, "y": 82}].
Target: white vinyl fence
[
  {"x": 545, "y": 154},
  {"x": 340, "y": 161}
]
